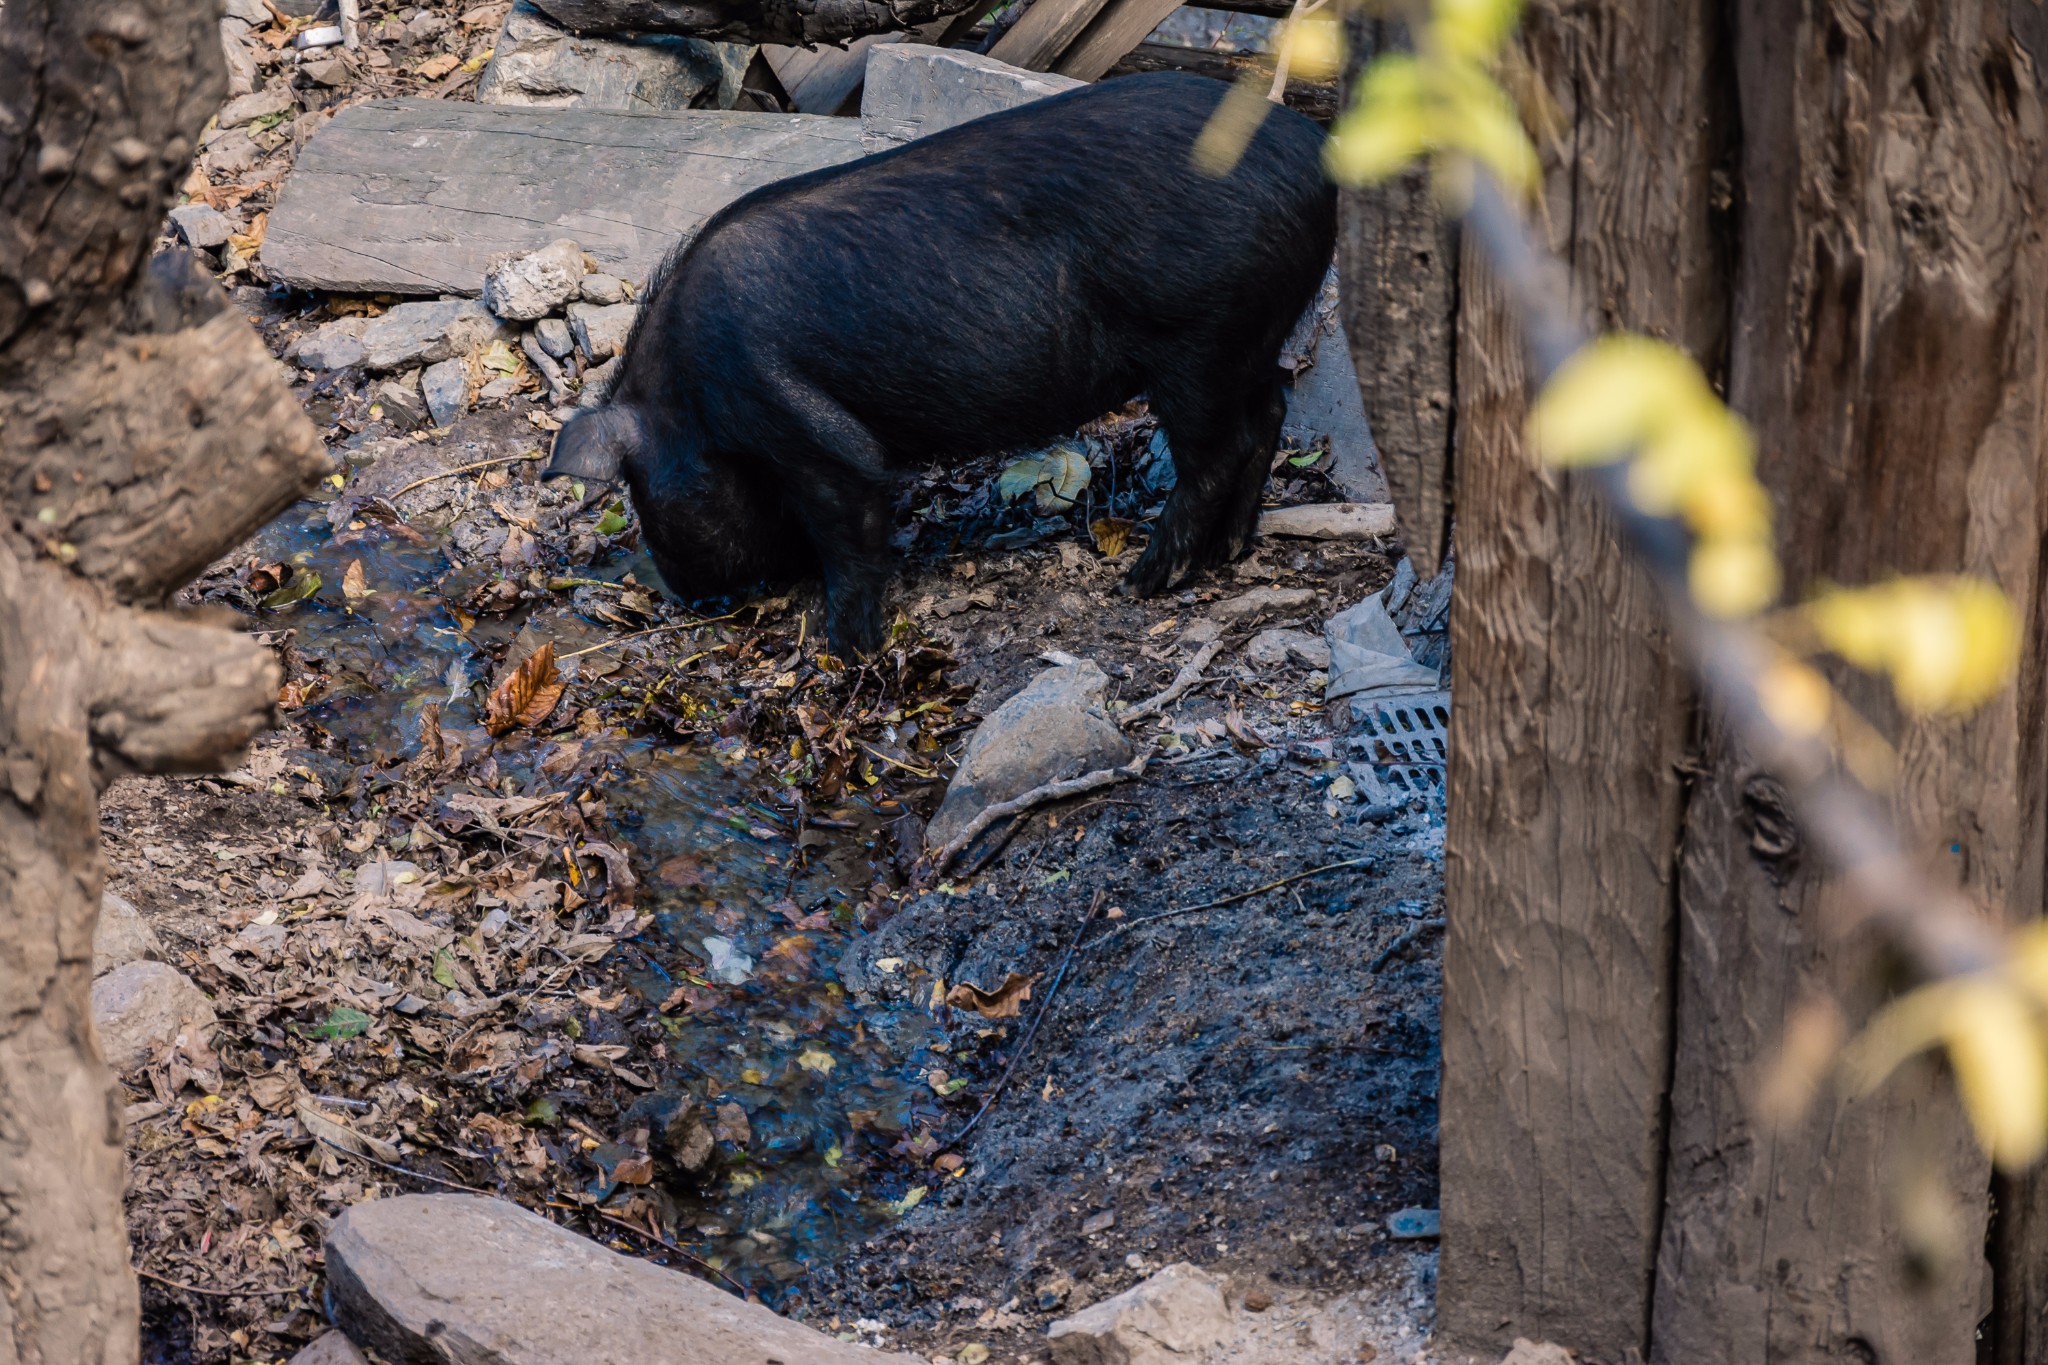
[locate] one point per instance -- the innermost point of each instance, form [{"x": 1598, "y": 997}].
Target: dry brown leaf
[
  {"x": 526, "y": 698},
  {"x": 790, "y": 959},
  {"x": 1111, "y": 534},
  {"x": 251, "y": 242},
  {"x": 337, "y": 1132},
  {"x": 1004, "y": 1002},
  {"x": 634, "y": 1170},
  {"x": 732, "y": 1125},
  {"x": 433, "y": 68},
  {"x": 353, "y": 585}
]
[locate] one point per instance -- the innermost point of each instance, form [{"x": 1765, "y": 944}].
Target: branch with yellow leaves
[{"x": 1641, "y": 423}]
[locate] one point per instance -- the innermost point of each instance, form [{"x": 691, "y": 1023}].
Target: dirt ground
[{"x": 642, "y": 942}]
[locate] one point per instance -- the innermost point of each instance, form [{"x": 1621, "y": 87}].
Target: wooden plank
[
  {"x": 1893, "y": 364},
  {"x": 413, "y": 196},
  {"x": 823, "y": 80},
  {"x": 1047, "y": 29},
  {"x": 1568, "y": 732},
  {"x": 1110, "y": 35}
]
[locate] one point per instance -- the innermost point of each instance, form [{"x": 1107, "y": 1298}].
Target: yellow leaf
[
  {"x": 1473, "y": 29},
  {"x": 1478, "y": 118},
  {"x": 501, "y": 358},
  {"x": 1111, "y": 535},
  {"x": 1732, "y": 578},
  {"x": 1995, "y": 1049},
  {"x": 1314, "y": 48},
  {"x": 1949, "y": 644},
  {"x": 1725, "y": 504},
  {"x": 1229, "y": 131},
  {"x": 1797, "y": 699},
  {"x": 1612, "y": 395},
  {"x": 1386, "y": 129},
  {"x": 816, "y": 1059},
  {"x": 1700, "y": 445}
]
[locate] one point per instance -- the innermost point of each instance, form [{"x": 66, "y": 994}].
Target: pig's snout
[{"x": 594, "y": 445}]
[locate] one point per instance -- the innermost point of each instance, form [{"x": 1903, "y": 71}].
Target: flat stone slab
[
  {"x": 451, "y": 1277},
  {"x": 414, "y": 196}
]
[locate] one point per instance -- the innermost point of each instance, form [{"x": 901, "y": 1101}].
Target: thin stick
[
  {"x": 1190, "y": 674},
  {"x": 1123, "y": 929},
  {"x": 1037, "y": 796},
  {"x": 406, "y": 1170},
  {"x": 461, "y": 469},
  {"x": 643, "y": 634},
  {"x": 660, "y": 1241},
  {"x": 1024, "y": 1043},
  {"x": 1388, "y": 953},
  {"x": 219, "y": 1293}
]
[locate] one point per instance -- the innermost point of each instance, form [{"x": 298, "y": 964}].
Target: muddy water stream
[{"x": 829, "y": 1085}]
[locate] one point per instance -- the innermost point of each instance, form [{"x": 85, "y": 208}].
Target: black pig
[{"x": 985, "y": 288}]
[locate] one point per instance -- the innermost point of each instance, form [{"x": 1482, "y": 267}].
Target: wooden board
[
  {"x": 1047, "y": 29},
  {"x": 412, "y": 196},
  {"x": 1119, "y": 27},
  {"x": 1568, "y": 733}
]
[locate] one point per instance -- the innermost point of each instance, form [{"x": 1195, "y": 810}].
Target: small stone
[
  {"x": 422, "y": 333},
  {"x": 140, "y": 1007},
  {"x": 1330, "y": 521},
  {"x": 251, "y": 12},
  {"x": 1257, "y": 1301},
  {"x": 446, "y": 385},
  {"x": 330, "y": 346},
  {"x": 328, "y": 71},
  {"x": 122, "y": 936},
  {"x": 330, "y": 1348},
  {"x": 536, "y": 62},
  {"x": 499, "y": 389},
  {"x": 1099, "y": 1222},
  {"x": 1271, "y": 648},
  {"x": 202, "y": 225},
  {"x": 524, "y": 286},
  {"x": 1414, "y": 1225},
  {"x": 600, "y": 329},
  {"x": 404, "y": 406},
  {"x": 234, "y": 45},
  {"x": 1055, "y": 727},
  {"x": 1167, "y": 1320},
  {"x": 275, "y": 98},
  {"x": 603, "y": 289},
  {"x": 1527, "y": 1352},
  {"x": 597, "y": 382},
  {"x": 1264, "y": 602},
  {"x": 229, "y": 155},
  {"x": 554, "y": 337}
]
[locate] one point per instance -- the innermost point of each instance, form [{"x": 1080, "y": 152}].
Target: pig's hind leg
[
  {"x": 1222, "y": 437},
  {"x": 838, "y": 488}
]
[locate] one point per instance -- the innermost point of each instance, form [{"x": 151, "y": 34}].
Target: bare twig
[
  {"x": 462, "y": 469},
  {"x": 1037, "y": 796},
  {"x": 221, "y": 1293},
  {"x": 643, "y": 634},
  {"x": 1123, "y": 929},
  {"x": 1031, "y": 1031},
  {"x": 1394, "y": 949},
  {"x": 1190, "y": 674}
]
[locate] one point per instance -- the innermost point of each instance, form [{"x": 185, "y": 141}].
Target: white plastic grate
[{"x": 1400, "y": 746}]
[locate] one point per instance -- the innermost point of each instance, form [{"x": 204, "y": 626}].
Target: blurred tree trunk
[
  {"x": 143, "y": 431},
  {"x": 1839, "y": 209}
]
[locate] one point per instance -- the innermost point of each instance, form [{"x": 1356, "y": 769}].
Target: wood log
[
  {"x": 143, "y": 431},
  {"x": 798, "y": 24}
]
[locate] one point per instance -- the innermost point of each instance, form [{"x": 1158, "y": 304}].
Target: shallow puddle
[{"x": 829, "y": 1086}]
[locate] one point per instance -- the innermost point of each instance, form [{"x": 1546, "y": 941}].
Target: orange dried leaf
[
  {"x": 526, "y": 698},
  {"x": 1004, "y": 1002}
]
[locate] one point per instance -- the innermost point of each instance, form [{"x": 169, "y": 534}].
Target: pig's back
[{"x": 1043, "y": 260}]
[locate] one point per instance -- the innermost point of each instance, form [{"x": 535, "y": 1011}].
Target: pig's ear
[{"x": 594, "y": 445}]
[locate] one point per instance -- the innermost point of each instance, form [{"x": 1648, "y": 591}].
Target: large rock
[
  {"x": 140, "y": 1007},
  {"x": 537, "y": 63},
  {"x": 414, "y": 196},
  {"x": 423, "y": 333},
  {"x": 122, "y": 936},
  {"x": 523, "y": 286},
  {"x": 1057, "y": 727},
  {"x": 913, "y": 90},
  {"x": 330, "y": 1348},
  {"x": 1324, "y": 400},
  {"x": 1173, "y": 1318},
  {"x": 446, "y": 388},
  {"x": 449, "y": 1277}
]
